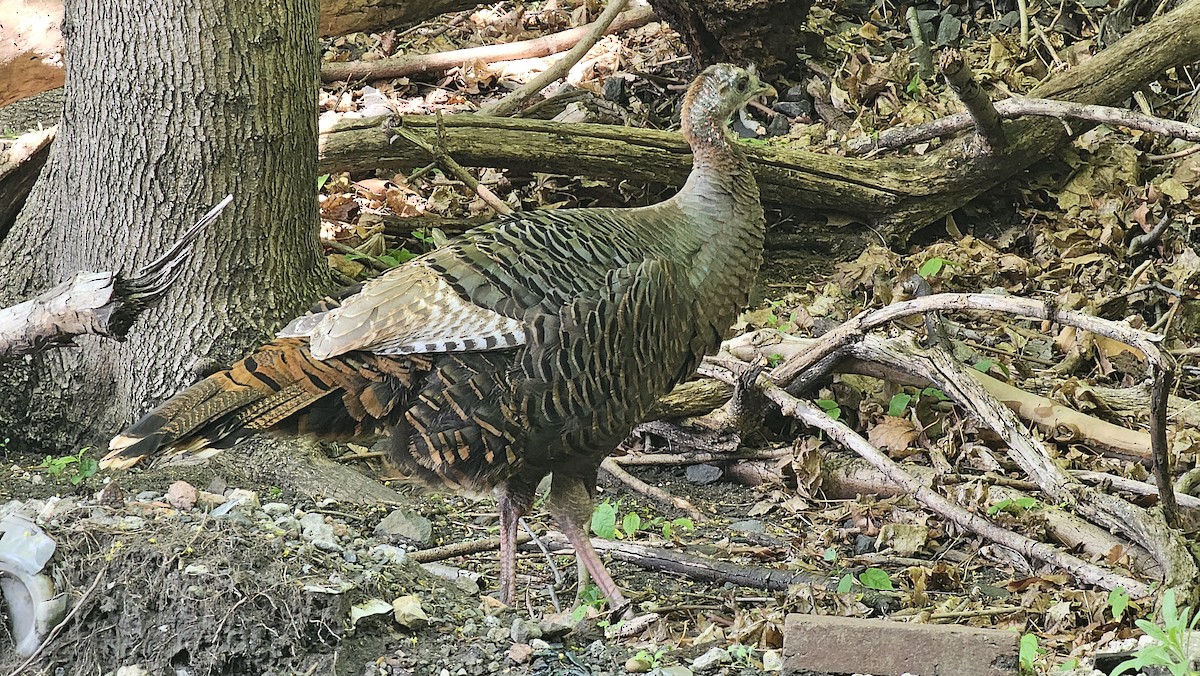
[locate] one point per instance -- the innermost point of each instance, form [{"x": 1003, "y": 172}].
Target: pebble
[
  {"x": 314, "y": 529},
  {"x": 147, "y": 496},
  {"x": 558, "y": 624},
  {"x": 408, "y": 612},
  {"x": 406, "y": 525},
  {"x": 288, "y": 524},
  {"x": 772, "y": 660},
  {"x": 209, "y": 501},
  {"x": 520, "y": 653},
  {"x": 523, "y": 630},
  {"x": 677, "y": 670},
  {"x": 247, "y": 500},
  {"x": 703, "y": 474},
  {"x": 388, "y": 554},
  {"x": 182, "y": 496},
  {"x": 277, "y": 508},
  {"x": 132, "y": 670},
  {"x": 748, "y": 526},
  {"x": 132, "y": 523},
  {"x": 715, "y": 657}
]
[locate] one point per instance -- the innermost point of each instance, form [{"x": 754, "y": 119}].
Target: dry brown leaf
[{"x": 893, "y": 433}]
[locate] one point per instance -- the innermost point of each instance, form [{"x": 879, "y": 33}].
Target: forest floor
[{"x": 222, "y": 575}]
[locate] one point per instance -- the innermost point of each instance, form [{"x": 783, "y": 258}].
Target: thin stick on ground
[
  {"x": 462, "y": 549},
  {"x": 509, "y": 104},
  {"x": 447, "y": 163},
  {"x": 637, "y": 485}
]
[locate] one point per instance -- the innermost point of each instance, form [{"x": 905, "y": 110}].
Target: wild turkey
[{"x": 528, "y": 346}]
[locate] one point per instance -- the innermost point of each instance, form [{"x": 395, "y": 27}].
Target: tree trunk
[{"x": 169, "y": 106}]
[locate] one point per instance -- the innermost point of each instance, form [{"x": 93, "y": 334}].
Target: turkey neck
[{"x": 720, "y": 236}]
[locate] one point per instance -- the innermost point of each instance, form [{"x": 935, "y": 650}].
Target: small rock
[
  {"x": 539, "y": 645},
  {"x": 277, "y": 508},
  {"x": 523, "y": 630},
  {"x": 314, "y": 529},
  {"x": 676, "y": 670},
  {"x": 864, "y": 544},
  {"x": 792, "y": 109},
  {"x": 703, "y": 474},
  {"x": 949, "y": 30},
  {"x": 111, "y": 496},
  {"x": 778, "y": 126},
  {"x": 796, "y": 93},
  {"x": 288, "y": 524},
  {"x": 132, "y": 523},
  {"x": 182, "y": 496},
  {"x": 638, "y": 665},
  {"x": 132, "y": 670},
  {"x": 748, "y": 526},
  {"x": 406, "y": 525},
  {"x": 146, "y": 496},
  {"x": 520, "y": 653},
  {"x": 349, "y": 556},
  {"x": 209, "y": 501},
  {"x": 772, "y": 661},
  {"x": 389, "y": 554},
  {"x": 248, "y": 500},
  {"x": 558, "y": 624},
  {"x": 408, "y": 612},
  {"x": 711, "y": 659}
]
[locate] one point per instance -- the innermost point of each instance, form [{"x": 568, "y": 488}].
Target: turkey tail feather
[{"x": 280, "y": 387}]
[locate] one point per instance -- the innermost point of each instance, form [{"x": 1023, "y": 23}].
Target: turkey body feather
[{"x": 525, "y": 347}]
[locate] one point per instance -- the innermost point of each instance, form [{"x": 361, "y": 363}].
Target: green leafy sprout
[
  {"x": 1172, "y": 650},
  {"x": 75, "y": 467}
]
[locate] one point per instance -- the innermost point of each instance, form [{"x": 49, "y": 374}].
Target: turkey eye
[{"x": 741, "y": 83}]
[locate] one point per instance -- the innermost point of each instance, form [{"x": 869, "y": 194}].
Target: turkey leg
[{"x": 571, "y": 504}]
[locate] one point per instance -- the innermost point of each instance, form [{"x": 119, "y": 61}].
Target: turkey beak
[{"x": 766, "y": 90}]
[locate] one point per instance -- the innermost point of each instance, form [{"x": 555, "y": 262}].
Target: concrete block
[{"x": 845, "y": 645}]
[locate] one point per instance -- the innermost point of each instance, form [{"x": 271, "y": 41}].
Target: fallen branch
[
  {"x": 509, "y": 104},
  {"x": 402, "y": 66},
  {"x": 845, "y": 436},
  {"x": 98, "y": 303},
  {"x": 1021, "y": 107},
  {"x": 712, "y": 570}
]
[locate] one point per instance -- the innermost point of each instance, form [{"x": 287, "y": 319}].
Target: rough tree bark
[
  {"x": 169, "y": 106},
  {"x": 31, "y": 42}
]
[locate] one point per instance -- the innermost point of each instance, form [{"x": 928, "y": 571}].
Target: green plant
[
  {"x": 1027, "y": 653},
  {"x": 590, "y": 597},
  {"x": 604, "y": 523},
  {"x": 75, "y": 468},
  {"x": 876, "y": 578},
  {"x": 830, "y": 407},
  {"x": 654, "y": 659},
  {"x": 933, "y": 266},
  {"x": 1015, "y": 507},
  {"x": 1172, "y": 649},
  {"x": 742, "y": 655},
  {"x": 1118, "y": 601}
]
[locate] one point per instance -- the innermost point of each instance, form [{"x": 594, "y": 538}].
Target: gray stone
[
  {"x": 792, "y": 108},
  {"x": 703, "y": 474},
  {"x": 406, "y": 525},
  {"x": 524, "y": 630},
  {"x": 388, "y": 554},
  {"x": 748, "y": 526},
  {"x": 712, "y": 659},
  {"x": 277, "y": 508},
  {"x": 677, "y": 670},
  {"x": 557, "y": 624},
  {"x": 314, "y": 529}
]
